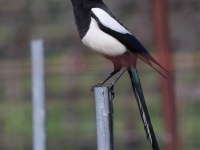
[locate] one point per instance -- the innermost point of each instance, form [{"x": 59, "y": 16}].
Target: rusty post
[{"x": 164, "y": 50}]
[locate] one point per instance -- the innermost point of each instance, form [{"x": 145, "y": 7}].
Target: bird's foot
[
  {"x": 94, "y": 86},
  {"x": 111, "y": 89}
]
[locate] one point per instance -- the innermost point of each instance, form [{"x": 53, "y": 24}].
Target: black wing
[{"x": 130, "y": 41}]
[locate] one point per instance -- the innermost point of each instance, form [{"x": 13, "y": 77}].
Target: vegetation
[
  {"x": 71, "y": 109},
  {"x": 71, "y": 70}
]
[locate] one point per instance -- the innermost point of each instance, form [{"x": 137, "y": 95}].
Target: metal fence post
[
  {"x": 38, "y": 95},
  {"x": 104, "y": 118}
]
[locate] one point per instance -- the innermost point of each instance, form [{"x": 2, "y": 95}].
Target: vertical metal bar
[
  {"x": 164, "y": 48},
  {"x": 104, "y": 118},
  {"x": 38, "y": 95}
]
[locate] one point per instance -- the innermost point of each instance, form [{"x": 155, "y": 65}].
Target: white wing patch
[
  {"x": 108, "y": 21},
  {"x": 102, "y": 42}
]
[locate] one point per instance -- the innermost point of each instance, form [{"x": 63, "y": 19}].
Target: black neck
[
  {"x": 82, "y": 19},
  {"x": 82, "y": 14}
]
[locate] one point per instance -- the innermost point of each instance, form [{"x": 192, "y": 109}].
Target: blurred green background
[{"x": 71, "y": 70}]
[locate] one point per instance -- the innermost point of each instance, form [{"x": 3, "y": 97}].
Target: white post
[{"x": 38, "y": 95}]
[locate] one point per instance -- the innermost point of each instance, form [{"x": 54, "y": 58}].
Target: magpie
[
  {"x": 102, "y": 32},
  {"x": 99, "y": 30}
]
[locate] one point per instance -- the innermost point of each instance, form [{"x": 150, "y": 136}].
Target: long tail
[{"x": 142, "y": 107}]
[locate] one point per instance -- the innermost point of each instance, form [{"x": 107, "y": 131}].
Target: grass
[
  {"x": 71, "y": 111},
  {"x": 76, "y": 122}
]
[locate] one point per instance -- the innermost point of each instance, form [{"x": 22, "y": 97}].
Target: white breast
[{"x": 102, "y": 42}]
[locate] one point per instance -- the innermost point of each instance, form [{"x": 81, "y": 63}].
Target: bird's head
[
  {"x": 86, "y": 3},
  {"x": 76, "y": 2}
]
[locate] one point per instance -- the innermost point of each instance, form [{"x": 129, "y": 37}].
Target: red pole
[{"x": 164, "y": 49}]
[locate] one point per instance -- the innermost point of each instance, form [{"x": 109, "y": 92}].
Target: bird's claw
[
  {"x": 111, "y": 89},
  {"x": 94, "y": 86}
]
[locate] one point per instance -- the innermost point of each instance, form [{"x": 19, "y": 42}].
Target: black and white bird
[{"x": 102, "y": 32}]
